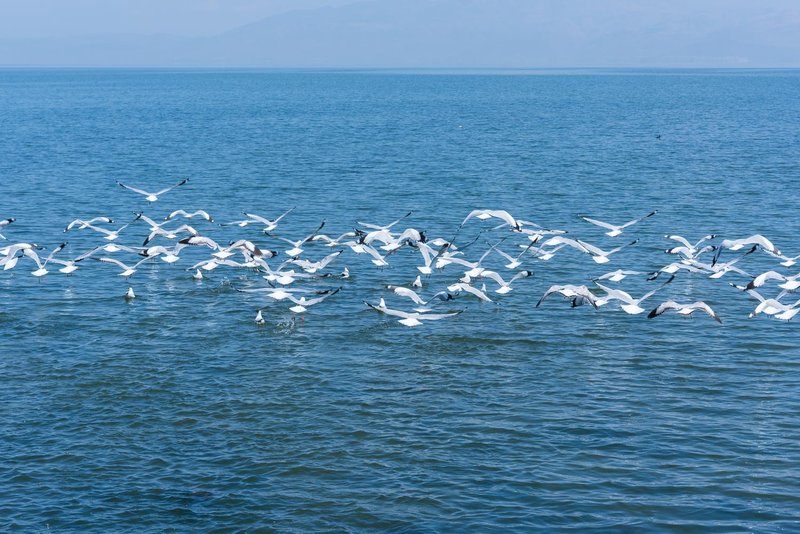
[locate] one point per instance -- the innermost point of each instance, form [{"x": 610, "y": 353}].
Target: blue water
[{"x": 175, "y": 412}]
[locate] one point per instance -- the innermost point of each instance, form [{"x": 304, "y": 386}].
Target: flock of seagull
[{"x": 294, "y": 273}]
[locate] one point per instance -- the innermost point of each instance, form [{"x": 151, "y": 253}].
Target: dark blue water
[{"x": 175, "y": 412}]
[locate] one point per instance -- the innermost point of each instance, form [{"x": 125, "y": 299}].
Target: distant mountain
[{"x": 465, "y": 33}]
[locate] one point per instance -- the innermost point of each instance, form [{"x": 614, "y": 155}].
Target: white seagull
[
  {"x": 4, "y": 223},
  {"x": 411, "y": 319},
  {"x": 684, "y": 309},
  {"x": 615, "y": 230},
  {"x": 152, "y": 197}
]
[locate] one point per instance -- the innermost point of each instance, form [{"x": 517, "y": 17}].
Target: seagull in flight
[
  {"x": 503, "y": 215},
  {"x": 81, "y": 224},
  {"x": 181, "y": 213},
  {"x": 269, "y": 226},
  {"x": 411, "y": 319},
  {"x": 615, "y": 230},
  {"x": 684, "y": 309},
  {"x": 4, "y": 223},
  {"x": 152, "y": 197},
  {"x": 384, "y": 228}
]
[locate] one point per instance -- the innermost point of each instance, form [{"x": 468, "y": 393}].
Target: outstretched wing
[
  {"x": 140, "y": 191},
  {"x": 172, "y": 187}
]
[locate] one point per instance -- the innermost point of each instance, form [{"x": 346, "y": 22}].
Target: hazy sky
[
  {"x": 23, "y": 19},
  {"x": 401, "y": 33}
]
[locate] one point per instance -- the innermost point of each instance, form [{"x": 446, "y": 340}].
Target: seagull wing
[
  {"x": 170, "y": 188},
  {"x": 634, "y": 221},
  {"x": 135, "y": 190},
  {"x": 602, "y": 224}
]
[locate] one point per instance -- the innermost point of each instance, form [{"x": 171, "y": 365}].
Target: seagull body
[
  {"x": 181, "y": 213},
  {"x": 302, "y": 303},
  {"x": 629, "y": 305},
  {"x": 790, "y": 283},
  {"x": 505, "y": 287},
  {"x": 737, "y": 244},
  {"x": 127, "y": 271},
  {"x": 615, "y": 230},
  {"x": 597, "y": 254},
  {"x": 618, "y": 275},
  {"x": 462, "y": 286},
  {"x": 499, "y": 214},
  {"x": 315, "y": 266},
  {"x": 130, "y": 294},
  {"x": 571, "y": 291},
  {"x": 42, "y": 265},
  {"x": 684, "y": 309},
  {"x": 332, "y": 242},
  {"x": 4, "y": 223},
  {"x": 269, "y": 226},
  {"x": 414, "y": 296},
  {"x": 152, "y": 197},
  {"x": 297, "y": 249},
  {"x": 411, "y": 319},
  {"x": 386, "y": 227},
  {"x": 81, "y": 224}
]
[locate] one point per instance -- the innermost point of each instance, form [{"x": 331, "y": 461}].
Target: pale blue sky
[{"x": 401, "y": 33}]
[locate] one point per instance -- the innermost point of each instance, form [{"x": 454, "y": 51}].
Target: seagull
[
  {"x": 167, "y": 255},
  {"x": 790, "y": 283},
  {"x": 462, "y": 286},
  {"x": 377, "y": 259},
  {"x": 542, "y": 254},
  {"x": 505, "y": 287},
  {"x": 673, "y": 268},
  {"x": 42, "y": 270},
  {"x": 4, "y": 223},
  {"x": 615, "y": 230},
  {"x": 200, "y": 241},
  {"x": 513, "y": 262},
  {"x": 414, "y": 296},
  {"x": 81, "y": 223},
  {"x": 332, "y": 242},
  {"x": 773, "y": 307},
  {"x": 197, "y": 275},
  {"x": 737, "y": 244},
  {"x": 629, "y": 305},
  {"x": 417, "y": 282},
  {"x": 687, "y": 249},
  {"x": 302, "y": 304},
  {"x": 571, "y": 291},
  {"x": 314, "y": 266},
  {"x": 170, "y": 234},
  {"x": 110, "y": 235},
  {"x": 259, "y": 318},
  {"x": 387, "y": 227},
  {"x": 718, "y": 270},
  {"x": 598, "y": 255},
  {"x": 296, "y": 249},
  {"x": 127, "y": 271},
  {"x": 180, "y": 213},
  {"x": 786, "y": 261},
  {"x": 269, "y": 226},
  {"x": 10, "y": 252},
  {"x": 684, "y": 309},
  {"x": 411, "y": 319},
  {"x": 499, "y": 214},
  {"x": 129, "y": 295},
  {"x": 152, "y": 197},
  {"x": 345, "y": 273},
  {"x": 618, "y": 275}
]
